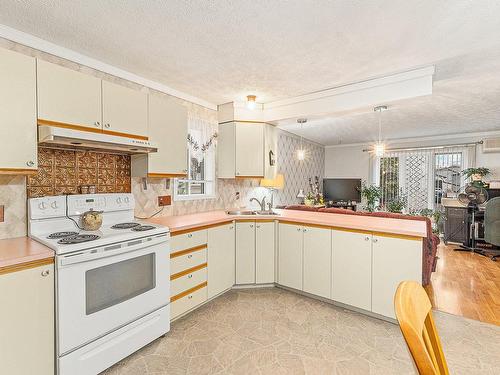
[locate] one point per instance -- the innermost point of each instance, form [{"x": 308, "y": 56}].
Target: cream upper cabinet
[
  {"x": 317, "y": 261},
  {"x": 247, "y": 149},
  {"x": 249, "y": 158},
  {"x": 27, "y": 321},
  {"x": 68, "y": 96},
  {"x": 124, "y": 110},
  {"x": 406, "y": 253},
  {"x": 264, "y": 252},
  {"x": 221, "y": 258},
  {"x": 245, "y": 252},
  {"x": 18, "y": 128},
  {"x": 168, "y": 130},
  {"x": 290, "y": 254},
  {"x": 352, "y": 268}
]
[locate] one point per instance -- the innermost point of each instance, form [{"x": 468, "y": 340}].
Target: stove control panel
[{"x": 47, "y": 207}]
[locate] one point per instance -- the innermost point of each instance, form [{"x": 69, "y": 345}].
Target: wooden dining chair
[{"x": 413, "y": 311}]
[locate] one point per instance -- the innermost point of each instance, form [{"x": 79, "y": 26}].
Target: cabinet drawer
[
  {"x": 188, "y": 301},
  {"x": 188, "y": 280},
  {"x": 184, "y": 261},
  {"x": 188, "y": 240}
]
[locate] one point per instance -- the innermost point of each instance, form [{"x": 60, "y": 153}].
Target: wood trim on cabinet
[
  {"x": 246, "y": 121},
  {"x": 201, "y": 227},
  {"x": 20, "y": 171},
  {"x": 166, "y": 175},
  {"x": 25, "y": 265},
  {"x": 244, "y": 177},
  {"x": 189, "y": 291},
  {"x": 188, "y": 271},
  {"x": 187, "y": 251},
  {"x": 89, "y": 129},
  {"x": 399, "y": 236}
]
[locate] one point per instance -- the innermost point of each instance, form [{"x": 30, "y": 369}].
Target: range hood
[{"x": 54, "y": 136}]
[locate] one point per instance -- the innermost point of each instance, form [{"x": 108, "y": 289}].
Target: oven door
[{"x": 101, "y": 290}]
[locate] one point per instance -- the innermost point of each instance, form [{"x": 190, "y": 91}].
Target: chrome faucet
[{"x": 262, "y": 204}]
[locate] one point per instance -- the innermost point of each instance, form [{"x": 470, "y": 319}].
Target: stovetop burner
[
  {"x": 142, "y": 228},
  {"x": 125, "y": 225},
  {"x": 78, "y": 238},
  {"x": 61, "y": 235}
]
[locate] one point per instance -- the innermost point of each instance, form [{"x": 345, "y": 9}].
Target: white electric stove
[{"x": 112, "y": 285}]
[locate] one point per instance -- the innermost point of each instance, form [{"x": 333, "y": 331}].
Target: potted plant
[
  {"x": 397, "y": 205},
  {"x": 476, "y": 175},
  {"x": 372, "y": 194}
]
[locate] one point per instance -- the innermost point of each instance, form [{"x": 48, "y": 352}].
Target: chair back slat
[{"x": 413, "y": 311}]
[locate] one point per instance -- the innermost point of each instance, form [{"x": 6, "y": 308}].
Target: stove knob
[
  {"x": 126, "y": 200},
  {"x": 42, "y": 206},
  {"x": 53, "y": 205},
  {"x": 118, "y": 200}
]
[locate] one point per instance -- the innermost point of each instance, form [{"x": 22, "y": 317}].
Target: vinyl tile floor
[{"x": 273, "y": 331}]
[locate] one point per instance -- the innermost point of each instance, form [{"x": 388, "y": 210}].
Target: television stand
[{"x": 344, "y": 205}]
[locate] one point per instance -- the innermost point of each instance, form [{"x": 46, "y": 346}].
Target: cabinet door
[
  {"x": 168, "y": 129},
  {"x": 404, "y": 252},
  {"x": 245, "y": 252},
  {"x": 124, "y": 111},
  {"x": 249, "y": 149},
  {"x": 27, "y": 321},
  {"x": 226, "y": 150},
  {"x": 68, "y": 96},
  {"x": 18, "y": 128},
  {"x": 352, "y": 266},
  {"x": 221, "y": 258},
  {"x": 290, "y": 255},
  {"x": 264, "y": 252},
  {"x": 318, "y": 261}
]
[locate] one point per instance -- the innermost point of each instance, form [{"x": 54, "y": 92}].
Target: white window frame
[{"x": 209, "y": 181}]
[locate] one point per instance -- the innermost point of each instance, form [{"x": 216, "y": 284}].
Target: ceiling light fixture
[
  {"x": 251, "y": 102},
  {"x": 379, "y": 147},
  {"x": 301, "y": 152}
]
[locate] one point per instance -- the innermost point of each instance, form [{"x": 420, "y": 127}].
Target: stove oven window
[{"x": 119, "y": 282}]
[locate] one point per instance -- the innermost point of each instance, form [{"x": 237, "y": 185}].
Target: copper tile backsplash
[{"x": 65, "y": 171}]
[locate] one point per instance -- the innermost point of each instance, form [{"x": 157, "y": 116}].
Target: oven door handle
[{"x": 110, "y": 250}]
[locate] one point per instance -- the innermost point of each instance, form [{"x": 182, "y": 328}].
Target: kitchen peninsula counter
[{"x": 23, "y": 252}]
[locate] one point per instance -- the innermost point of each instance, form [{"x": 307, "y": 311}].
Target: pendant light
[
  {"x": 301, "y": 152},
  {"x": 379, "y": 147},
  {"x": 251, "y": 102}
]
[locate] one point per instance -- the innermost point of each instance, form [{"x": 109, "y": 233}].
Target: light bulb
[
  {"x": 301, "y": 154},
  {"x": 251, "y": 104},
  {"x": 379, "y": 149}
]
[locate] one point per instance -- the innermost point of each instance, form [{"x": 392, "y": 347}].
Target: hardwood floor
[{"x": 466, "y": 284}]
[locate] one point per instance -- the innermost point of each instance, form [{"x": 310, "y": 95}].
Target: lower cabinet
[
  {"x": 245, "y": 252},
  {"x": 264, "y": 252},
  {"x": 394, "y": 259},
  {"x": 27, "y": 321},
  {"x": 192, "y": 298},
  {"x": 318, "y": 261},
  {"x": 352, "y": 268},
  {"x": 221, "y": 259},
  {"x": 255, "y": 252},
  {"x": 290, "y": 261}
]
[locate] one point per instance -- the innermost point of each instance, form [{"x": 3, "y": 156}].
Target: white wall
[{"x": 350, "y": 161}]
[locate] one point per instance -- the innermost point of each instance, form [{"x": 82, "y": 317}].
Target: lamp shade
[{"x": 273, "y": 183}]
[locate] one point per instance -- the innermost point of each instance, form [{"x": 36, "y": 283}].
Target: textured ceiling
[{"x": 223, "y": 50}]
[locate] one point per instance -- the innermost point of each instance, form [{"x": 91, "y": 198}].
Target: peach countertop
[
  {"x": 15, "y": 252},
  {"x": 376, "y": 224}
]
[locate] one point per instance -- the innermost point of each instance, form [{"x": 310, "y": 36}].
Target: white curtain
[
  {"x": 423, "y": 176},
  {"x": 202, "y": 136}
]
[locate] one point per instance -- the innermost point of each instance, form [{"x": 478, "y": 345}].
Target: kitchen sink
[{"x": 249, "y": 213}]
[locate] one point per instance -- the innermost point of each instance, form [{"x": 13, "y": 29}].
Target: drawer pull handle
[
  {"x": 375, "y": 240},
  {"x": 190, "y": 296},
  {"x": 190, "y": 276},
  {"x": 190, "y": 256},
  {"x": 367, "y": 238},
  {"x": 45, "y": 273},
  {"x": 190, "y": 235}
]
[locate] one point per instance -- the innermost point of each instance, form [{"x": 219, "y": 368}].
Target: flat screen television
[{"x": 342, "y": 189}]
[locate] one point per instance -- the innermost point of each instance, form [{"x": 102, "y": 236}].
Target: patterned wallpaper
[{"x": 65, "y": 172}]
